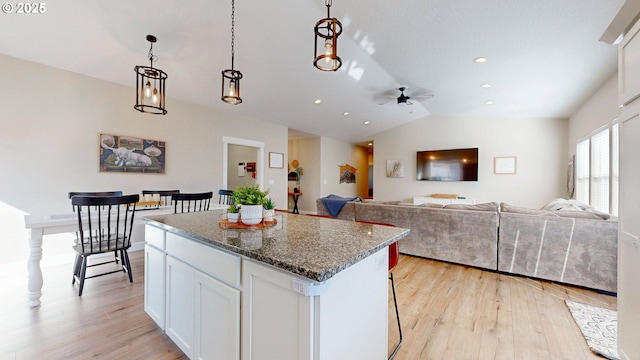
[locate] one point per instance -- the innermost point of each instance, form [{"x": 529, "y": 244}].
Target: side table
[{"x": 295, "y": 196}]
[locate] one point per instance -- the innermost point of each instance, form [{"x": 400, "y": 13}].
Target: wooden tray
[
  {"x": 445, "y": 196},
  {"x": 225, "y": 224},
  {"x": 149, "y": 203}
]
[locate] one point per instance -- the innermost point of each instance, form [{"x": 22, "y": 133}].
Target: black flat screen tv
[{"x": 447, "y": 165}]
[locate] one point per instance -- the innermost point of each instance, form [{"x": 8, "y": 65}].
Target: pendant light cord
[
  {"x": 152, "y": 57},
  {"x": 233, "y": 34}
]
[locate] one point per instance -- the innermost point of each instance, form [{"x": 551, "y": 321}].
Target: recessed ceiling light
[
  {"x": 318, "y": 101},
  {"x": 485, "y": 86},
  {"x": 345, "y": 113},
  {"x": 370, "y": 144},
  {"x": 489, "y": 102},
  {"x": 367, "y": 122},
  {"x": 480, "y": 60}
]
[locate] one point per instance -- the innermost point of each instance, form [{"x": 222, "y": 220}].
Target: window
[
  {"x": 582, "y": 171},
  {"x": 597, "y": 170},
  {"x": 599, "y": 186},
  {"x": 615, "y": 165}
]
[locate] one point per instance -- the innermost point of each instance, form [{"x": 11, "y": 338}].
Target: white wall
[
  {"x": 600, "y": 109},
  {"x": 334, "y": 154},
  {"x": 538, "y": 144},
  {"x": 50, "y": 120}
]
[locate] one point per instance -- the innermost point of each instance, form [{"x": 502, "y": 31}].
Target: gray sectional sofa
[{"x": 572, "y": 247}]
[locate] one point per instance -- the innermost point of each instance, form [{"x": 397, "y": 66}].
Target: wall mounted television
[{"x": 447, "y": 165}]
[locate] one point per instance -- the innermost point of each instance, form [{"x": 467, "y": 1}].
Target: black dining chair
[
  {"x": 183, "y": 202},
  {"x": 104, "y": 225},
  {"x": 225, "y": 197},
  {"x": 94, "y": 193},
  {"x": 165, "y": 195}
]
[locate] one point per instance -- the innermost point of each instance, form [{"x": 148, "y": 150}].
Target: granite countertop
[{"x": 314, "y": 247}]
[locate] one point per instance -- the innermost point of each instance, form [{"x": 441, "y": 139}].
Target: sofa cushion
[
  {"x": 490, "y": 206},
  {"x": 432, "y": 205},
  {"x": 504, "y": 207}
]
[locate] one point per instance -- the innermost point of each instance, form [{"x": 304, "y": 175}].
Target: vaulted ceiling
[{"x": 543, "y": 57}]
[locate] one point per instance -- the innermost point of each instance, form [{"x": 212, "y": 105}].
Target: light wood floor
[{"x": 447, "y": 312}]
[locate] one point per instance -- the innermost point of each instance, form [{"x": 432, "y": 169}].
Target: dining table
[{"x": 39, "y": 226}]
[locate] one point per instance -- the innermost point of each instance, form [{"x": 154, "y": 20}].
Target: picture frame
[
  {"x": 276, "y": 160},
  {"x": 395, "y": 168},
  {"x": 504, "y": 165},
  {"x": 130, "y": 154}
]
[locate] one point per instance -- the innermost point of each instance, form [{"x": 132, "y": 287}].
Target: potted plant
[
  {"x": 233, "y": 213},
  {"x": 269, "y": 209},
  {"x": 251, "y": 200}
]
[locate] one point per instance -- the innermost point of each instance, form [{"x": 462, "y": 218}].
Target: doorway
[{"x": 235, "y": 151}]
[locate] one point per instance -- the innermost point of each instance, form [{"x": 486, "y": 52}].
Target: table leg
[
  {"x": 295, "y": 204},
  {"x": 33, "y": 266}
]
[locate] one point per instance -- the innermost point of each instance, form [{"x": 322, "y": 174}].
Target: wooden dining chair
[
  {"x": 104, "y": 225},
  {"x": 394, "y": 257},
  {"x": 225, "y": 197},
  {"x": 165, "y": 195},
  {"x": 184, "y": 202}
]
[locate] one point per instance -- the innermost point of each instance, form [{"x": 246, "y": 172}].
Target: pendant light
[
  {"x": 326, "y": 45},
  {"x": 231, "y": 77},
  {"x": 150, "y": 85}
]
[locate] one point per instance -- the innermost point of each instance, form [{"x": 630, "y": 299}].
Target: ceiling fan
[{"x": 404, "y": 99}]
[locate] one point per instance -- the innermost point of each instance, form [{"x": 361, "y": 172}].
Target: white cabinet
[
  {"x": 187, "y": 293},
  {"x": 154, "y": 274},
  {"x": 277, "y": 322},
  {"x": 629, "y": 233},
  {"x": 629, "y": 66},
  {"x": 217, "y": 319},
  {"x": 180, "y": 321},
  {"x": 203, "y": 314},
  {"x": 154, "y": 285},
  {"x": 419, "y": 200},
  {"x": 346, "y": 319},
  {"x": 629, "y": 210}
]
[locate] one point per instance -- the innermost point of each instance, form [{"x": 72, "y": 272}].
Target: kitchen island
[{"x": 304, "y": 288}]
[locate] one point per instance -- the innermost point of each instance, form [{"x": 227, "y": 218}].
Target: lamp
[
  {"x": 230, "y": 77},
  {"x": 326, "y": 44},
  {"x": 150, "y": 85}
]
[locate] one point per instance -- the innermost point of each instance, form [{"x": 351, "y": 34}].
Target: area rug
[{"x": 599, "y": 327}]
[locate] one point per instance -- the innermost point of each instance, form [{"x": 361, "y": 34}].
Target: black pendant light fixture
[
  {"x": 150, "y": 85},
  {"x": 231, "y": 77},
  {"x": 327, "y": 31}
]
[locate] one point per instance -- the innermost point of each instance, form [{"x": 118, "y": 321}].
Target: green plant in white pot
[
  {"x": 269, "y": 209},
  {"x": 233, "y": 213},
  {"x": 251, "y": 200}
]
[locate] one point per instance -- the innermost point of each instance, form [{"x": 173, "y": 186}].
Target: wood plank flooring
[{"x": 447, "y": 312}]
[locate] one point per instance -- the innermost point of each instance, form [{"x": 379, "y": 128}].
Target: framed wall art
[
  {"x": 347, "y": 174},
  {"x": 129, "y": 154},
  {"x": 395, "y": 168},
  {"x": 504, "y": 165},
  {"x": 276, "y": 160}
]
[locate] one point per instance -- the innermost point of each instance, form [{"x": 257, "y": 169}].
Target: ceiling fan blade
[
  {"x": 384, "y": 98},
  {"x": 422, "y": 94}
]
